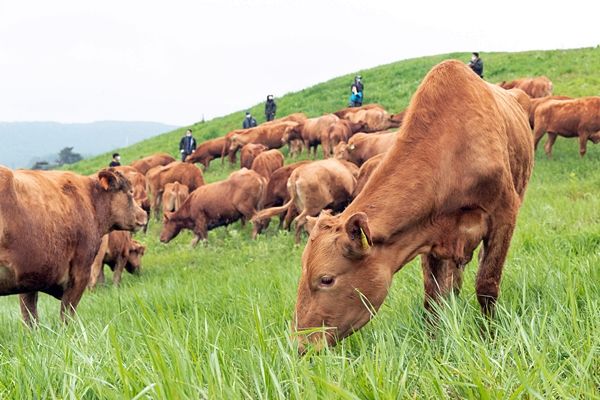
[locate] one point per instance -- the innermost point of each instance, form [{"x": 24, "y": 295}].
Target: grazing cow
[
  {"x": 365, "y": 172},
  {"x": 173, "y": 196},
  {"x": 147, "y": 163},
  {"x": 363, "y": 146},
  {"x": 374, "y": 119},
  {"x": 313, "y": 187},
  {"x": 51, "y": 226},
  {"x": 535, "y": 103},
  {"x": 119, "y": 251},
  {"x": 341, "y": 131},
  {"x": 267, "y": 162},
  {"x": 310, "y": 131},
  {"x": 455, "y": 176},
  {"x": 207, "y": 151},
  {"x": 344, "y": 112},
  {"x": 269, "y": 135},
  {"x": 249, "y": 153},
  {"x": 139, "y": 185},
  {"x": 184, "y": 173},
  {"x": 568, "y": 118},
  {"x": 535, "y": 87},
  {"x": 216, "y": 204}
]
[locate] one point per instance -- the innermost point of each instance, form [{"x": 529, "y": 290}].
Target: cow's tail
[{"x": 271, "y": 212}]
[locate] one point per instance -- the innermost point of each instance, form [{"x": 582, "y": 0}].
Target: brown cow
[
  {"x": 341, "y": 131},
  {"x": 51, "y": 226},
  {"x": 398, "y": 118},
  {"x": 249, "y": 153},
  {"x": 365, "y": 172},
  {"x": 276, "y": 194},
  {"x": 363, "y": 146},
  {"x": 139, "y": 186},
  {"x": 310, "y": 131},
  {"x": 158, "y": 177},
  {"x": 174, "y": 195},
  {"x": 119, "y": 251},
  {"x": 295, "y": 148},
  {"x": 267, "y": 162},
  {"x": 535, "y": 87},
  {"x": 375, "y": 119},
  {"x": 147, "y": 163},
  {"x": 456, "y": 175},
  {"x": 207, "y": 151},
  {"x": 313, "y": 187},
  {"x": 216, "y": 204},
  {"x": 568, "y": 118},
  {"x": 269, "y": 135},
  {"x": 535, "y": 103},
  {"x": 351, "y": 110}
]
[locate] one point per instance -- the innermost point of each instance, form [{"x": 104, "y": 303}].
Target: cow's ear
[
  {"x": 166, "y": 216},
  {"x": 357, "y": 241},
  {"x": 108, "y": 179}
]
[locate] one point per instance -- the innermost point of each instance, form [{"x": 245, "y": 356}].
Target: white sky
[{"x": 173, "y": 61}]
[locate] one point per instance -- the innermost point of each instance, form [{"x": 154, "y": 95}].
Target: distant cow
[
  {"x": 344, "y": 112},
  {"x": 535, "y": 87},
  {"x": 568, "y": 118},
  {"x": 363, "y": 146},
  {"x": 315, "y": 186},
  {"x": 269, "y": 135},
  {"x": 276, "y": 194},
  {"x": 374, "y": 119},
  {"x": 216, "y": 204},
  {"x": 184, "y": 173},
  {"x": 267, "y": 162},
  {"x": 173, "y": 196},
  {"x": 365, "y": 172},
  {"x": 51, "y": 227},
  {"x": 207, "y": 151},
  {"x": 120, "y": 252},
  {"x": 341, "y": 131},
  {"x": 147, "y": 163},
  {"x": 535, "y": 103},
  {"x": 310, "y": 131},
  {"x": 443, "y": 188},
  {"x": 249, "y": 153}
]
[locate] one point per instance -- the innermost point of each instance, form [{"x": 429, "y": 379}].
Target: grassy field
[{"x": 213, "y": 322}]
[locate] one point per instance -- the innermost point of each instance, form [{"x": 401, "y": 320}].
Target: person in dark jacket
[
  {"x": 270, "y": 108},
  {"x": 187, "y": 144},
  {"x": 356, "y": 95},
  {"x": 476, "y": 64},
  {"x": 116, "y": 160},
  {"x": 249, "y": 121}
]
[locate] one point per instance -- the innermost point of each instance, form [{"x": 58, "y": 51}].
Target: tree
[
  {"x": 43, "y": 165},
  {"x": 66, "y": 156}
]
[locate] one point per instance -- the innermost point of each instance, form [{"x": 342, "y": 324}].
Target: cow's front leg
[
  {"x": 440, "y": 278},
  {"x": 28, "y": 304},
  {"x": 72, "y": 294}
]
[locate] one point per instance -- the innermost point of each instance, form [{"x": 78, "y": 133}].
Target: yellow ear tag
[{"x": 363, "y": 239}]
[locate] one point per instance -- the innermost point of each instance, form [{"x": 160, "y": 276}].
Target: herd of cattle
[{"x": 451, "y": 177}]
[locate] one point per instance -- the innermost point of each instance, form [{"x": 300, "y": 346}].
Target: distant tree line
[{"x": 65, "y": 156}]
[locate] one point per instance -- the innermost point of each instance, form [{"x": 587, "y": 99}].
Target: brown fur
[
  {"x": 295, "y": 148},
  {"x": 267, "y": 162},
  {"x": 398, "y": 118},
  {"x": 216, "y": 204},
  {"x": 207, "y": 151},
  {"x": 341, "y": 131},
  {"x": 568, "y": 118},
  {"x": 249, "y": 153},
  {"x": 174, "y": 195},
  {"x": 365, "y": 172},
  {"x": 536, "y": 87},
  {"x": 270, "y": 135},
  {"x": 374, "y": 119},
  {"x": 51, "y": 226},
  {"x": 139, "y": 186},
  {"x": 147, "y": 163},
  {"x": 184, "y": 173},
  {"x": 363, "y": 146},
  {"x": 535, "y": 103},
  {"x": 454, "y": 177},
  {"x": 310, "y": 131},
  {"x": 119, "y": 251},
  {"x": 344, "y": 112},
  {"x": 313, "y": 187}
]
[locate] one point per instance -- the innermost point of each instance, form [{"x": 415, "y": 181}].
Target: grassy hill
[{"x": 213, "y": 322}]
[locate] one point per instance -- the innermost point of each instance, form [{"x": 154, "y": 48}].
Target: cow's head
[
  {"x": 134, "y": 261},
  {"x": 292, "y": 132},
  {"x": 236, "y": 143},
  {"x": 171, "y": 228},
  {"x": 342, "y": 284},
  {"x": 123, "y": 211},
  {"x": 342, "y": 151}
]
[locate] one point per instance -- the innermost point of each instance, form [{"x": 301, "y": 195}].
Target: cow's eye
[{"x": 327, "y": 280}]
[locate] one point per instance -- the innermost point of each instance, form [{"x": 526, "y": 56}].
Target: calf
[
  {"x": 362, "y": 147},
  {"x": 207, "y": 151},
  {"x": 216, "y": 204},
  {"x": 51, "y": 227},
  {"x": 267, "y": 162},
  {"x": 119, "y": 251}
]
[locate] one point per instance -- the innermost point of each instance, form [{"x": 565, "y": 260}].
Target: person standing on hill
[
  {"x": 356, "y": 95},
  {"x": 187, "y": 144},
  {"x": 476, "y": 64},
  {"x": 270, "y": 108},
  {"x": 249, "y": 121},
  {"x": 116, "y": 160}
]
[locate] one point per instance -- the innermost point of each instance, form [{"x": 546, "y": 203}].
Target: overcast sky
[{"x": 174, "y": 61}]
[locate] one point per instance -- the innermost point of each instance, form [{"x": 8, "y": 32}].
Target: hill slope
[{"x": 213, "y": 322}]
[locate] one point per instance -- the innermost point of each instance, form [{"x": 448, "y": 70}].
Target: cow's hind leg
[
  {"x": 440, "y": 278},
  {"x": 583, "y": 138},
  {"x": 549, "y": 143},
  {"x": 28, "y": 304},
  {"x": 72, "y": 295}
]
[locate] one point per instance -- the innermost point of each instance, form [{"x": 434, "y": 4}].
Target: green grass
[{"x": 213, "y": 322}]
